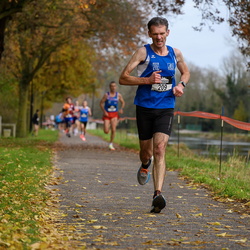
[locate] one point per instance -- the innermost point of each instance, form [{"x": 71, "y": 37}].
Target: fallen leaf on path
[
  {"x": 150, "y": 228},
  {"x": 197, "y": 215},
  {"x": 78, "y": 205},
  {"x": 214, "y": 223},
  {"x": 217, "y": 229},
  {"x": 92, "y": 221},
  {"x": 224, "y": 235},
  {"x": 241, "y": 240},
  {"x": 99, "y": 227},
  {"x": 107, "y": 214},
  {"x": 127, "y": 235}
]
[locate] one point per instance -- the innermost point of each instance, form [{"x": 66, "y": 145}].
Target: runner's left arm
[{"x": 122, "y": 103}]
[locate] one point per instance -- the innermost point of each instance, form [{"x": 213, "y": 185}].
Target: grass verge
[
  {"x": 25, "y": 170},
  {"x": 231, "y": 182}
]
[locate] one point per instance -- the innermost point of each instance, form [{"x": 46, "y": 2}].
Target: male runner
[
  {"x": 155, "y": 101},
  {"x": 109, "y": 106}
]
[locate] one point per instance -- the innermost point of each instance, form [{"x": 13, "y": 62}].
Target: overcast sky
[{"x": 205, "y": 48}]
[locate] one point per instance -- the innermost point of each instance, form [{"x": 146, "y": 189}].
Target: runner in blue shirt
[
  {"x": 109, "y": 105},
  {"x": 85, "y": 112},
  {"x": 155, "y": 101}
]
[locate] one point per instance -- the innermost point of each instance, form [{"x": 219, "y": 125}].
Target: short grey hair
[{"x": 156, "y": 21}]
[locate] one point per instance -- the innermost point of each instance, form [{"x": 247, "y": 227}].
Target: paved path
[{"x": 108, "y": 209}]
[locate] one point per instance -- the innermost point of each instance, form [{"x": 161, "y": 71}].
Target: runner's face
[
  {"x": 159, "y": 35},
  {"x": 113, "y": 87}
]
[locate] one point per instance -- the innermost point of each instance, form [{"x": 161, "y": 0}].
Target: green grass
[
  {"x": 231, "y": 182},
  {"x": 25, "y": 169}
]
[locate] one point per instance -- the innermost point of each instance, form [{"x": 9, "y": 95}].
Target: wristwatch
[{"x": 183, "y": 84}]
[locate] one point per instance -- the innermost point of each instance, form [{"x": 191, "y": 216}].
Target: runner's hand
[
  {"x": 178, "y": 91},
  {"x": 155, "y": 77}
]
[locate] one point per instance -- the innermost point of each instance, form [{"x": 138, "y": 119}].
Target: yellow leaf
[
  {"x": 179, "y": 197},
  {"x": 137, "y": 198},
  {"x": 91, "y": 221},
  {"x": 247, "y": 204},
  {"x": 149, "y": 242},
  {"x": 241, "y": 240},
  {"x": 78, "y": 205},
  {"x": 127, "y": 235},
  {"x": 221, "y": 235},
  {"x": 150, "y": 228},
  {"x": 214, "y": 223},
  {"x": 178, "y": 215},
  {"x": 197, "y": 215},
  {"x": 99, "y": 227}
]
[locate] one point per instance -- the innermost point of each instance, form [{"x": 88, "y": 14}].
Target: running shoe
[
  {"x": 111, "y": 147},
  {"x": 158, "y": 204},
  {"x": 83, "y": 138},
  {"x": 143, "y": 174}
]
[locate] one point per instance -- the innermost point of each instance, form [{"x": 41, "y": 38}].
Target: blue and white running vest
[
  {"x": 84, "y": 113},
  {"x": 158, "y": 96},
  {"x": 111, "y": 104}
]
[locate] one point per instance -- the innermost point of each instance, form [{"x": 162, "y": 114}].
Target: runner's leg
[
  {"x": 106, "y": 126},
  {"x": 113, "y": 122},
  {"x": 146, "y": 150},
  {"x": 160, "y": 141}
]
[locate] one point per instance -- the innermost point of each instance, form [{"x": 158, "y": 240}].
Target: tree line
[{"x": 51, "y": 49}]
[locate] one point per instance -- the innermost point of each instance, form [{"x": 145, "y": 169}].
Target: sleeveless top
[
  {"x": 111, "y": 104},
  {"x": 84, "y": 113},
  {"x": 158, "y": 96}
]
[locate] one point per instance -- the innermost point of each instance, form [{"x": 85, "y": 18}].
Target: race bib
[
  {"x": 111, "y": 108},
  {"x": 165, "y": 85}
]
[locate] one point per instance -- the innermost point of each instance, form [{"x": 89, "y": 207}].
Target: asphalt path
[{"x": 107, "y": 209}]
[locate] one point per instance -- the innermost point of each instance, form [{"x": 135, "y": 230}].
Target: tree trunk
[
  {"x": 2, "y": 30},
  {"x": 22, "y": 127}
]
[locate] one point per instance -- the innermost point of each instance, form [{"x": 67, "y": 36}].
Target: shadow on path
[{"x": 108, "y": 209}]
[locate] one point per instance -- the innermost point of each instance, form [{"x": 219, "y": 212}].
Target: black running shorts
[{"x": 150, "y": 121}]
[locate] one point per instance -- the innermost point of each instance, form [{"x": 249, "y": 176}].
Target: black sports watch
[{"x": 183, "y": 84}]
